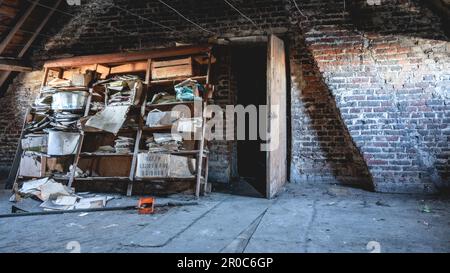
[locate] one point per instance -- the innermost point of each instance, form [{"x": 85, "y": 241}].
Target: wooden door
[{"x": 276, "y": 119}]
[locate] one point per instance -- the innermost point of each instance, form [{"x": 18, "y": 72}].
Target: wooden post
[
  {"x": 148, "y": 75},
  {"x": 77, "y": 159},
  {"x": 202, "y": 141},
  {"x": 44, "y": 80},
  {"x": 136, "y": 149},
  {"x": 12, "y": 178}
]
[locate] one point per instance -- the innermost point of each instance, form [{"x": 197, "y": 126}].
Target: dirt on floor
[{"x": 304, "y": 218}]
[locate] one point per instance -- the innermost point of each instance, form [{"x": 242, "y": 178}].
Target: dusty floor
[{"x": 323, "y": 218}]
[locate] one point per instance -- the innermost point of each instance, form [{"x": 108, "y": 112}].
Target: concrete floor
[{"x": 304, "y": 218}]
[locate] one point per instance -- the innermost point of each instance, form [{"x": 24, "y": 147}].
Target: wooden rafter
[
  {"x": 17, "y": 27},
  {"x": 4, "y": 76},
  {"x": 14, "y": 65}
]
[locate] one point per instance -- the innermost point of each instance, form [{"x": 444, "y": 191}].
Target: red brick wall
[
  {"x": 369, "y": 85},
  {"x": 387, "y": 68},
  {"x": 13, "y": 107}
]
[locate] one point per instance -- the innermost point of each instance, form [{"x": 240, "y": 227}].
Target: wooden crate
[
  {"x": 172, "y": 68},
  {"x": 154, "y": 165}
]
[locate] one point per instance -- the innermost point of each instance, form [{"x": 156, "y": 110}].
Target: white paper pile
[
  {"x": 161, "y": 142},
  {"x": 56, "y": 196},
  {"x": 124, "y": 145}
]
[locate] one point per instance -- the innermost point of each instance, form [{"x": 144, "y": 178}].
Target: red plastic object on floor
[{"x": 146, "y": 205}]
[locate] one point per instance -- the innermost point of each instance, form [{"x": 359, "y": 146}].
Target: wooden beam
[
  {"x": 129, "y": 68},
  {"x": 4, "y": 76},
  {"x": 14, "y": 65},
  {"x": 39, "y": 29},
  {"x": 17, "y": 26},
  {"x": 8, "y": 11},
  {"x": 129, "y": 56}
]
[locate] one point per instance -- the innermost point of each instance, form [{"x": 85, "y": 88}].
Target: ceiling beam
[
  {"x": 5, "y": 74},
  {"x": 128, "y": 56},
  {"x": 17, "y": 27},
  {"x": 39, "y": 29},
  {"x": 8, "y": 11},
  {"x": 14, "y": 65}
]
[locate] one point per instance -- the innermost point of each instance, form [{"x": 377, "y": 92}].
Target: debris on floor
[
  {"x": 56, "y": 196},
  {"x": 426, "y": 209}
]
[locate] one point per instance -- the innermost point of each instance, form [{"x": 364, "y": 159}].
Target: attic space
[{"x": 367, "y": 101}]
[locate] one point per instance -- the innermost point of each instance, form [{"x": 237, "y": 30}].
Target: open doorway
[{"x": 249, "y": 68}]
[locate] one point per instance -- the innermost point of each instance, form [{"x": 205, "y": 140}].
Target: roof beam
[
  {"x": 5, "y": 74},
  {"x": 39, "y": 29},
  {"x": 17, "y": 26},
  {"x": 14, "y": 65},
  {"x": 127, "y": 57},
  {"x": 9, "y": 11}
]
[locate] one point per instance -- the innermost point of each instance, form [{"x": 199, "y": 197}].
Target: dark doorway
[{"x": 249, "y": 67}]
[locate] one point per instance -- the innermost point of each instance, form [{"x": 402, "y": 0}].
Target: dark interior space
[{"x": 249, "y": 67}]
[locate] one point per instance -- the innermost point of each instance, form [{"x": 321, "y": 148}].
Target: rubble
[{"x": 56, "y": 196}]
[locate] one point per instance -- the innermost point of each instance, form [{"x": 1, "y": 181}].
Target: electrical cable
[
  {"x": 299, "y": 10},
  {"x": 242, "y": 14},
  {"x": 185, "y": 18},
  {"x": 73, "y": 16}
]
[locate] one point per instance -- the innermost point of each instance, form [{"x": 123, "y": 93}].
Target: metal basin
[{"x": 74, "y": 100}]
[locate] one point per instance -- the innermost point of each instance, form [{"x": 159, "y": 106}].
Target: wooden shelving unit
[{"x": 142, "y": 64}]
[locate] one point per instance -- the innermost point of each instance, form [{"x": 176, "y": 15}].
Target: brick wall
[
  {"x": 387, "y": 68},
  {"x": 369, "y": 84},
  {"x": 13, "y": 107}
]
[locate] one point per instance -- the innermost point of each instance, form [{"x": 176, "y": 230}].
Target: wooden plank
[
  {"x": 172, "y": 72},
  {"x": 77, "y": 160},
  {"x": 181, "y": 61},
  {"x": 9, "y": 11},
  {"x": 148, "y": 74},
  {"x": 14, "y": 65},
  {"x": 205, "y": 98},
  {"x": 39, "y": 29},
  {"x": 129, "y": 56},
  {"x": 200, "y": 155},
  {"x": 14, "y": 172},
  {"x": 5, "y": 75},
  {"x": 129, "y": 68},
  {"x": 103, "y": 70},
  {"x": 17, "y": 27},
  {"x": 175, "y": 80},
  {"x": 276, "y": 99},
  {"x": 136, "y": 149},
  {"x": 133, "y": 163},
  {"x": 44, "y": 80}
]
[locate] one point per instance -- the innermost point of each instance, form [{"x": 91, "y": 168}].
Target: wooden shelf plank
[
  {"x": 170, "y": 104},
  {"x": 174, "y": 80},
  {"x": 101, "y": 178},
  {"x": 157, "y": 129},
  {"x": 104, "y": 154},
  {"x": 127, "y": 130},
  {"x": 182, "y": 152},
  {"x": 116, "y": 58},
  {"x": 151, "y": 179}
]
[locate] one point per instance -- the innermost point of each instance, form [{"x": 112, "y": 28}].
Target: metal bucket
[
  {"x": 62, "y": 143},
  {"x": 74, "y": 100}
]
